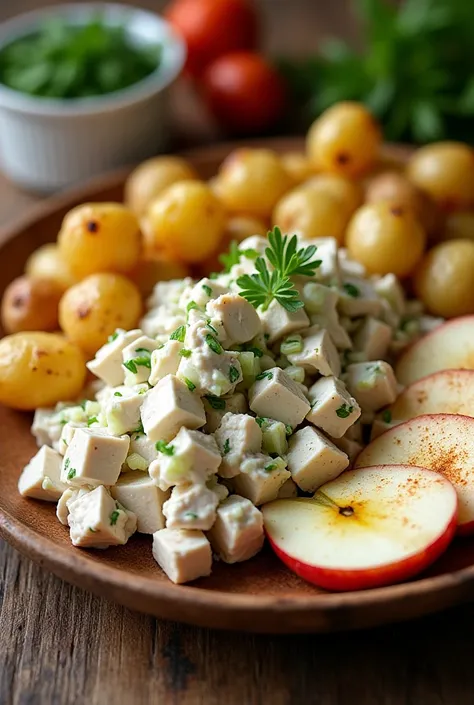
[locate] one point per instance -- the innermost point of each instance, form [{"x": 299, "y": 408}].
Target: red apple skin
[{"x": 350, "y": 580}]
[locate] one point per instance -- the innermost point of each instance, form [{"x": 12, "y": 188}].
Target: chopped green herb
[
  {"x": 91, "y": 420},
  {"x": 93, "y": 531},
  {"x": 191, "y": 515},
  {"x": 83, "y": 403},
  {"x": 387, "y": 416},
  {"x": 117, "y": 394},
  {"x": 261, "y": 420},
  {"x": 230, "y": 258},
  {"x": 113, "y": 517},
  {"x": 288, "y": 430},
  {"x": 234, "y": 374},
  {"x": 264, "y": 375},
  {"x": 215, "y": 402},
  {"x": 143, "y": 390},
  {"x": 179, "y": 334},
  {"x": 208, "y": 324},
  {"x": 190, "y": 385},
  {"x": 184, "y": 352},
  {"x": 266, "y": 336},
  {"x": 141, "y": 361},
  {"x": 71, "y": 474},
  {"x": 213, "y": 275},
  {"x": 67, "y": 463},
  {"x": 165, "y": 448},
  {"x": 213, "y": 344},
  {"x": 131, "y": 366},
  {"x": 207, "y": 289},
  {"x": 227, "y": 446},
  {"x": 270, "y": 467},
  {"x": 139, "y": 430},
  {"x": 191, "y": 306},
  {"x": 351, "y": 290},
  {"x": 344, "y": 411},
  {"x": 113, "y": 337},
  {"x": 256, "y": 351}
]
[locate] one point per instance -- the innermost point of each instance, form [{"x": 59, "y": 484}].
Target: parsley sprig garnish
[
  {"x": 228, "y": 259},
  {"x": 262, "y": 287}
]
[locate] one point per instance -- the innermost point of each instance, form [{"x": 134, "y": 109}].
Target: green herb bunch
[
  {"x": 61, "y": 60},
  {"x": 416, "y": 72}
]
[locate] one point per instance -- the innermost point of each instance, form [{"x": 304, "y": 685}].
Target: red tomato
[
  {"x": 212, "y": 28},
  {"x": 244, "y": 92}
]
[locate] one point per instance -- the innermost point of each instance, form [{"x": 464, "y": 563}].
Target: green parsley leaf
[
  {"x": 179, "y": 334},
  {"x": 256, "y": 351},
  {"x": 139, "y": 430},
  {"x": 288, "y": 430},
  {"x": 344, "y": 411},
  {"x": 191, "y": 305},
  {"x": 93, "y": 531},
  {"x": 208, "y": 324},
  {"x": 213, "y": 344},
  {"x": 387, "y": 416},
  {"x": 207, "y": 289},
  {"x": 71, "y": 474},
  {"x": 215, "y": 402},
  {"x": 234, "y": 374},
  {"x": 230, "y": 258},
  {"x": 190, "y": 385},
  {"x": 285, "y": 258},
  {"x": 83, "y": 403},
  {"x": 351, "y": 290},
  {"x": 262, "y": 287},
  {"x": 91, "y": 420},
  {"x": 261, "y": 420},
  {"x": 113, "y": 337},
  {"x": 113, "y": 517},
  {"x": 184, "y": 352},
  {"x": 264, "y": 375},
  {"x": 191, "y": 515},
  {"x": 226, "y": 446},
  {"x": 117, "y": 394},
  {"x": 165, "y": 448},
  {"x": 131, "y": 366},
  {"x": 270, "y": 467}
]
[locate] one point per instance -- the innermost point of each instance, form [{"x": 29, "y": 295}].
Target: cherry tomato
[
  {"x": 244, "y": 92},
  {"x": 211, "y": 28}
]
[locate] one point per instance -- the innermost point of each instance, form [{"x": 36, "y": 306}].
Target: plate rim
[{"x": 202, "y": 606}]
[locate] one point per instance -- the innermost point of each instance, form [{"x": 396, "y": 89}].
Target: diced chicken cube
[
  {"x": 137, "y": 492},
  {"x": 94, "y": 458},
  {"x": 68, "y": 496},
  {"x": 276, "y": 396},
  {"x": 107, "y": 364},
  {"x": 357, "y": 297},
  {"x": 217, "y": 407},
  {"x": 277, "y": 322},
  {"x": 162, "y": 321},
  {"x": 67, "y": 434},
  {"x": 137, "y": 359},
  {"x": 237, "y": 534},
  {"x": 373, "y": 384},
  {"x": 143, "y": 446},
  {"x": 349, "y": 267},
  {"x": 239, "y": 318},
  {"x": 288, "y": 490},
  {"x": 202, "y": 292},
  {"x": 191, "y": 507},
  {"x": 166, "y": 293},
  {"x": 373, "y": 338},
  {"x": 98, "y": 521},
  {"x": 165, "y": 361},
  {"x": 41, "y": 478},
  {"x": 237, "y": 435},
  {"x": 168, "y": 406},
  {"x": 313, "y": 459},
  {"x": 389, "y": 288},
  {"x": 261, "y": 478},
  {"x": 183, "y": 555},
  {"x": 191, "y": 457},
  {"x": 47, "y": 426},
  {"x": 122, "y": 412},
  {"x": 327, "y": 252},
  {"x": 318, "y": 355},
  {"x": 211, "y": 370},
  {"x": 332, "y": 408},
  {"x": 321, "y": 303}
]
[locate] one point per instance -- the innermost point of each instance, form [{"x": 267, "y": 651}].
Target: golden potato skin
[
  {"x": 30, "y": 304},
  {"x": 150, "y": 271},
  {"x": 90, "y": 311},
  {"x": 444, "y": 280},
  {"x": 345, "y": 139},
  {"x": 46, "y": 263},
  {"x": 347, "y": 192},
  {"x": 39, "y": 369},
  {"x": 312, "y": 213},
  {"x": 445, "y": 171},
  {"x": 152, "y": 177},
  {"x": 252, "y": 181},
  {"x": 298, "y": 166},
  {"x": 99, "y": 237},
  {"x": 386, "y": 238},
  {"x": 186, "y": 221}
]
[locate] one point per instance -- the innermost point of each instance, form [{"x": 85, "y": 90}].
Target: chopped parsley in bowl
[{"x": 63, "y": 60}]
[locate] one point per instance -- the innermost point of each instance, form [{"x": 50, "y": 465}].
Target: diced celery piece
[
  {"x": 176, "y": 467},
  {"x": 293, "y": 344},
  {"x": 250, "y": 365},
  {"x": 274, "y": 437},
  {"x": 135, "y": 461},
  {"x": 296, "y": 373}
]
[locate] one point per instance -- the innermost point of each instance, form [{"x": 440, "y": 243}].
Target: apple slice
[
  {"x": 444, "y": 392},
  {"x": 448, "y": 347},
  {"x": 440, "y": 442},
  {"x": 369, "y": 527}
]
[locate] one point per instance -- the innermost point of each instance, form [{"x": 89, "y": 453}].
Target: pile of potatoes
[{"x": 414, "y": 218}]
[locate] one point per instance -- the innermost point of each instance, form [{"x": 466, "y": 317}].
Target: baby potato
[
  {"x": 39, "y": 369},
  {"x": 30, "y": 304},
  {"x": 150, "y": 271},
  {"x": 47, "y": 263},
  {"x": 99, "y": 237},
  {"x": 311, "y": 213},
  {"x": 444, "y": 280},
  {"x": 459, "y": 226},
  {"x": 298, "y": 166},
  {"x": 345, "y": 139},
  {"x": 252, "y": 181},
  {"x": 187, "y": 221},
  {"x": 445, "y": 171},
  {"x": 90, "y": 311},
  {"x": 152, "y": 177},
  {"x": 348, "y": 193},
  {"x": 386, "y": 238}
]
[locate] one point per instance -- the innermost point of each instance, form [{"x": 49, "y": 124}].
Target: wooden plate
[{"x": 259, "y": 595}]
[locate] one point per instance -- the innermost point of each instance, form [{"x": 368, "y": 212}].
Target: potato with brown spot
[
  {"x": 39, "y": 369},
  {"x": 91, "y": 311},
  {"x": 30, "y": 304},
  {"x": 151, "y": 178},
  {"x": 99, "y": 237},
  {"x": 47, "y": 263}
]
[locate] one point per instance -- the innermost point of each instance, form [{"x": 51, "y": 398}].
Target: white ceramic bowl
[{"x": 47, "y": 144}]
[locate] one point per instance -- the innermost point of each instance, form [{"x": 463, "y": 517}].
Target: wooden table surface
[{"x": 62, "y": 646}]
